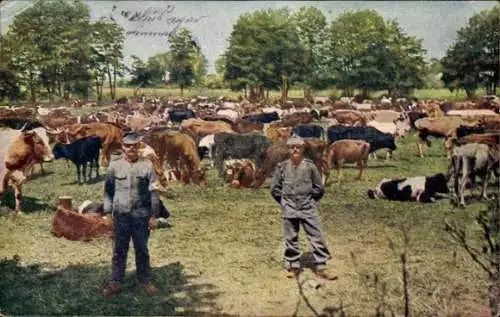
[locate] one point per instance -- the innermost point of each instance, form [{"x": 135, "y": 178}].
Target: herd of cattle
[{"x": 245, "y": 141}]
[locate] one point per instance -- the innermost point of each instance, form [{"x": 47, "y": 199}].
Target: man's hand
[{"x": 152, "y": 223}]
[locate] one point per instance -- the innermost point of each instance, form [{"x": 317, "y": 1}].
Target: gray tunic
[
  {"x": 297, "y": 189},
  {"x": 128, "y": 188}
]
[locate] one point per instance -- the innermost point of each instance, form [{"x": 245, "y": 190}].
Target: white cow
[{"x": 208, "y": 142}]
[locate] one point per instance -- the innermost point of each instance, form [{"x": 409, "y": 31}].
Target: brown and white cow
[
  {"x": 348, "y": 151},
  {"x": 239, "y": 172},
  {"x": 19, "y": 151}
]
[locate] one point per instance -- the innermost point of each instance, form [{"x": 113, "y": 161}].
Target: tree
[
  {"x": 264, "y": 53},
  {"x": 310, "y": 24},
  {"x": 182, "y": 48},
  {"x": 370, "y": 53},
  {"x": 434, "y": 72},
  {"x": 474, "y": 59},
  {"x": 48, "y": 44},
  {"x": 107, "y": 56},
  {"x": 158, "y": 65},
  {"x": 141, "y": 76}
]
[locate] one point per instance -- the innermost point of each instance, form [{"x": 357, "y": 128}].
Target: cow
[
  {"x": 297, "y": 118},
  {"x": 147, "y": 152},
  {"x": 19, "y": 150},
  {"x": 413, "y": 116},
  {"x": 109, "y": 133},
  {"x": 181, "y": 154},
  {"x": 309, "y": 131},
  {"x": 418, "y": 188},
  {"x": 80, "y": 227},
  {"x": 239, "y": 173},
  {"x": 246, "y": 126},
  {"x": 348, "y": 151},
  {"x": 278, "y": 152},
  {"x": 205, "y": 147},
  {"x": 471, "y": 160},
  {"x": 201, "y": 128},
  {"x": 80, "y": 152},
  {"x": 179, "y": 115},
  {"x": 377, "y": 140},
  {"x": 349, "y": 117},
  {"x": 276, "y": 132},
  {"x": 239, "y": 146},
  {"x": 439, "y": 127},
  {"x": 262, "y": 117}
]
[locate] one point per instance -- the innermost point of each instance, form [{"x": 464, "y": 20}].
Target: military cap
[
  {"x": 295, "y": 140},
  {"x": 131, "y": 138}
]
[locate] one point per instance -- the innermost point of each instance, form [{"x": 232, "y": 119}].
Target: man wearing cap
[
  {"x": 129, "y": 195},
  {"x": 298, "y": 188}
]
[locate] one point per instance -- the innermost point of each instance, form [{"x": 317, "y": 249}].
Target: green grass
[{"x": 223, "y": 254}]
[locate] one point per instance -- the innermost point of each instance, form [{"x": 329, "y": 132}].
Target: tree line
[{"x": 53, "y": 50}]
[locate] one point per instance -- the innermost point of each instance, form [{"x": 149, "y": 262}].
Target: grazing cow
[
  {"x": 309, "y": 131},
  {"x": 19, "y": 150},
  {"x": 471, "y": 160},
  {"x": 239, "y": 146},
  {"x": 239, "y": 173},
  {"x": 348, "y": 151},
  {"x": 438, "y": 127},
  {"x": 179, "y": 115},
  {"x": 413, "y": 116},
  {"x": 262, "y": 117},
  {"x": 377, "y": 140},
  {"x": 81, "y": 152},
  {"x": 246, "y": 126},
  {"x": 278, "y": 152},
  {"x": 419, "y": 188},
  {"x": 109, "y": 133}
]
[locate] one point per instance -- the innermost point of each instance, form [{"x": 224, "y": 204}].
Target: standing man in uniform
[
  {"x": 129, "y": 195},
  {"x": 298, "y": 188}
]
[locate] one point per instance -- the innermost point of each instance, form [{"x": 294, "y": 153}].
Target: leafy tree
[
  {"x": 370, "y": 53},
  {"x": 182, "y": 48},
  {"x": 141, "y": 76},
  {"x": 310, "y": 24},
  {"x": 158, "y": 65},
  {"x": 433, "y": 75},
  {"x": 107, "y": 56},
  {"x": 264, "y": 53},
  {"x": 473, "y": 60}
]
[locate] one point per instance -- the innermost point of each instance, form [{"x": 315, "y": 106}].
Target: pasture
[{"x": 223, "y": 253}]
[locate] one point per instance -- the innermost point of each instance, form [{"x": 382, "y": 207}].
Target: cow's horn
[{"x": 24, "y": 127}]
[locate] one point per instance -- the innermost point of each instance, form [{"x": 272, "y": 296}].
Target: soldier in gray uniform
[
  {"x": 298, "y": 188},
  {"x": 129, "y": 196}
]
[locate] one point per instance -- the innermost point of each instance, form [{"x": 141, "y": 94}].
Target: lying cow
[
  {"x": 82, "y": 151},
  {"x": 419, "y": 188},
  {"x": 239, "y": 173},
  {"x": 471, "y": 160},
  {"x": 348, "y": 151}
]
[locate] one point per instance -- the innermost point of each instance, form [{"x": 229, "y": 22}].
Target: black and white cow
[{"x": 419, "y": 188}]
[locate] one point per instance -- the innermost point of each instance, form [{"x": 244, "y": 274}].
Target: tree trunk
[
  {"x": 110, "y": 83},
  {"x": 267, "y": 93},
  {"x": 308, "y": 94},
  {"x": 470, "y": 93},
  {"x": 113, "y": 91},
  {"x": 182, "y": 90},
  {"x": 245, "y": 90},
  {"x": 284, "y": 89}
]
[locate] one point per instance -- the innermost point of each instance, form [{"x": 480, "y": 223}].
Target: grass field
[
  {"x": 293, "y": 93},
  {"x": 223, "y": 254}
]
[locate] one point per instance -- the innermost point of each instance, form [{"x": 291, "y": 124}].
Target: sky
[{"x": 436, "y": 22}]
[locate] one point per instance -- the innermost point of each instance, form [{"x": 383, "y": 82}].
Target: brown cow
[
  {"x": 19, "y": 151},
  {"x": 297, "y": 118},
  {"x": 80, "y": 227},
  {"x": 246, "y": 126},
  {"x": 278, "y": 132},
  {"x": 439, "y": 127},
  {"x": 202, "y": 128},
  {"x": 109, "y": 133},
  {"x": 278, "y": 152},
  {"x": 181, "y": 154},
  {"x": 239, "y": 173},
  {"x": 348, "y": 151},
  {"x": 349, "y": 117},
  {"x": 145, "y": 151}
]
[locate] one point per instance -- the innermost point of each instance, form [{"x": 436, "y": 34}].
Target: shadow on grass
[
  {"x": 75, "y": 290},
  {"x": 39, "y": 174},
  {"x": 93, "y": 180},
  {"x": 28, "y": 204}
]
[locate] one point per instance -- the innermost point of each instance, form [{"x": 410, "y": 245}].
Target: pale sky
[{"x": 436, "y": 22}]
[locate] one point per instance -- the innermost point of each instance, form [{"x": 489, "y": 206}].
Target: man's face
[
  {"x": 131, "y": 151},
  {"x": 296, "y": 151}
]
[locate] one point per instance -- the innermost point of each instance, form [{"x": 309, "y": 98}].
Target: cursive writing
[{"x": 150, "y": 15}]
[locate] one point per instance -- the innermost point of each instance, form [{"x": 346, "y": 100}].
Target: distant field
[
  {"x": 295, "y": 93},
  {"x": 223, "y": 254}
]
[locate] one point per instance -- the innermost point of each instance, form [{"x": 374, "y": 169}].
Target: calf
[
  {"x": 470, "y": 160},
  {"x": 348, "y": 151},
  {"x": 420, "y": 188},
  {"x": 239, "y": 173},
  {"x": 82, "y": 151}
]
